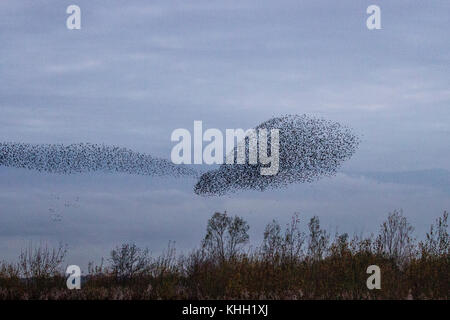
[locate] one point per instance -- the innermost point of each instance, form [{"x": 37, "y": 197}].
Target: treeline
[{"x": 289, "y": 264}]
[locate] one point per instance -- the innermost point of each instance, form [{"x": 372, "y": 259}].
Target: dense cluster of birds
[
  {"x": 86, "y": 157},
  {"x": 309, "y": 148}
]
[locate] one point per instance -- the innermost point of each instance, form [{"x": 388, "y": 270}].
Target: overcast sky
[{"x": 137, "y": 70}]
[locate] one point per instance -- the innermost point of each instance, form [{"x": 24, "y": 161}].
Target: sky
[{"x": 137, "y": 70}]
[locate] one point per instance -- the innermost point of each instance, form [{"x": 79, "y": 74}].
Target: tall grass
[{"x": 289, "y": 264}]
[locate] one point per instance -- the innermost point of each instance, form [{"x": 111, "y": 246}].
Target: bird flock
[
  {"x": 309, "y": 148},
  {"x": 86, "y": 157}
]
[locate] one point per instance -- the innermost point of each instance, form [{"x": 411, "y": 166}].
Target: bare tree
[
  {"x": 9, "y": 270},
  {"x": 437, "y": 242},
  {"x": 287, "y": 246},
  {"x": 128, "y": 261},
  {"x": 341, "y": 243},
  {"x": 214, "y": 241},
  {"x": 41, "y": 262},
  {"x": 395, "y": 239},
  {"x": 166, "y": 262},
  {"x": 318, "y": 239},
  {"x": 273, "y": 241},
  {"x": 225, "y": 235}
]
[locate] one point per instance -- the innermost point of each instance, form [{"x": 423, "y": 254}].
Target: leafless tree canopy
[
  {"x": 437, "y": 241},
  {"x": 41, "y": 261},
  {"x": 225, "y": 235},
  {"x": 395, "y": 238},
  {"x": 128, "y": 261},
  {"x": 285, "y": 246},
  {"x": 318, "y": 239}
]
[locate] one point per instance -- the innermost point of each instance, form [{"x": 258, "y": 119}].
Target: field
[{"x": 289, "y": 264}]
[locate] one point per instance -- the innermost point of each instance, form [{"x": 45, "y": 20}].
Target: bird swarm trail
[
  {"x": 309, "y": 149},
  {"x": 86, "y": 157}
]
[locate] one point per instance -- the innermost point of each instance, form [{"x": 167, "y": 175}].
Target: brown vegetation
[{"x": 290, "y": 264}]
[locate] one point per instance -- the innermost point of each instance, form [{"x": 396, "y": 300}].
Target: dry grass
[{"x": 288, "y": 265}]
